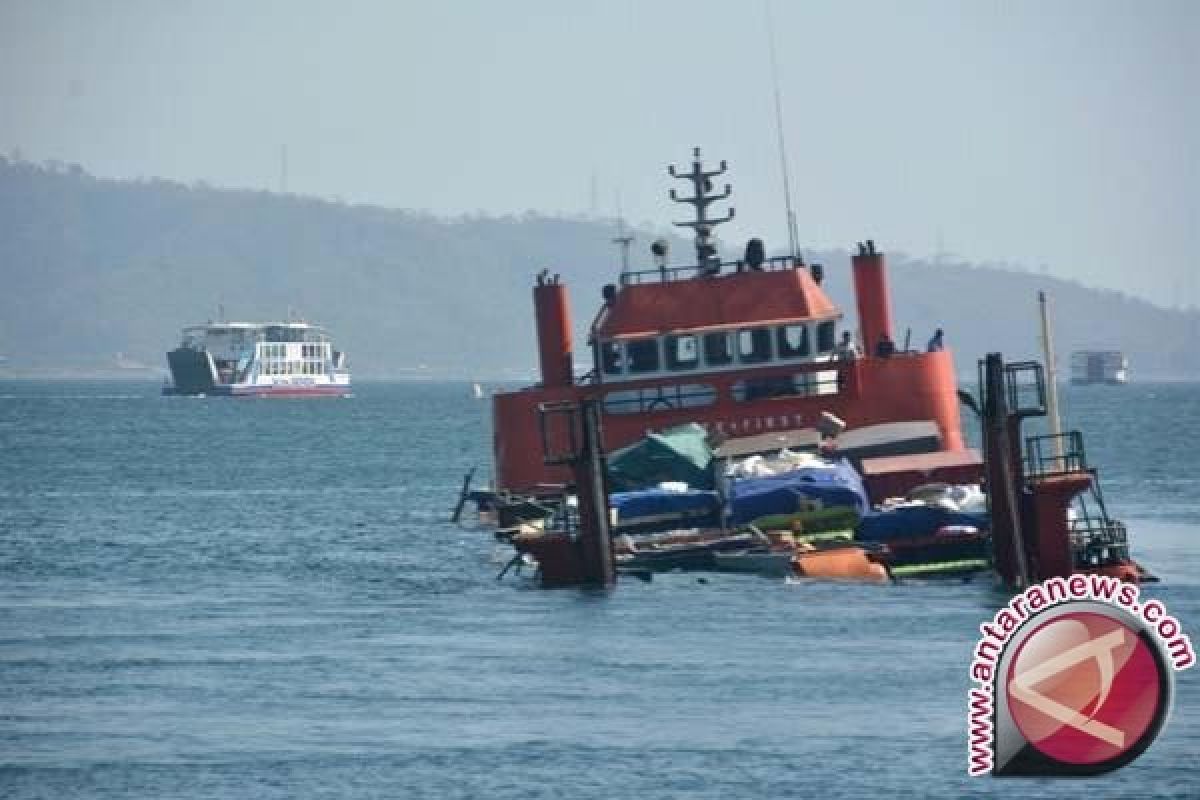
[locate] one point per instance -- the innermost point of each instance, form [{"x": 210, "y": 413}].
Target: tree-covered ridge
[{"x": 94, "y": 267}]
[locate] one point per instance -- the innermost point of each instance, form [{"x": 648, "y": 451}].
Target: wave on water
[
  {"x": 249, "y": 601},
  {"x": 302, "y": 491},
  {"x": 73, "y": 396}
]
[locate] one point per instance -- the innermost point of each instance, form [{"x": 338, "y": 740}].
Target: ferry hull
[
  {"x": 225, "y": 390},
  {"x": 338, "y": 390},
  {"x": 191, "y": 371}
]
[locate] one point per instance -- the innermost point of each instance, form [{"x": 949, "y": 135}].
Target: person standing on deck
[
  {"x": 847, "y": 350},
  {"x": 935, "y": 343}
]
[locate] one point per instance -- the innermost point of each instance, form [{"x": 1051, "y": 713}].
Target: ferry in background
[
  {"x": 249, "y": 359},
  {"x": 1099, "y": 366}
]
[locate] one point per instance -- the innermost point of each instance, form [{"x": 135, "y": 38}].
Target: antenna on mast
[
  {"x": 283, "y": 169},
  {"x": 623, "y": 239},
  {"x": 793, "y": 238}
]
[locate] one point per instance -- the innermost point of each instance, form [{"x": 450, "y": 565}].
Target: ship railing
[
  {"x": 687, "y": 272},
  {"x": 1095, "y": 542},
  {"x": 1054, "y": 454},
  {"x": 1025, "y": 384}
]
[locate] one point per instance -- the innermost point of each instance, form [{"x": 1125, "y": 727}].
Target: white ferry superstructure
[{"x": 276, "y": 359}]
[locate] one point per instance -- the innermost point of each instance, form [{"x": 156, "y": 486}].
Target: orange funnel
[
  {"x": 872, "y": 296},
  {"x": 554, "y": 334}
]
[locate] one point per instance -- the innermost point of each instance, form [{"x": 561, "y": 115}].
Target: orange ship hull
[{"x": 903, "y": 388}]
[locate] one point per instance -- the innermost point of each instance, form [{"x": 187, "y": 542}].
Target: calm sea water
[{"x": 264, "y": 599}]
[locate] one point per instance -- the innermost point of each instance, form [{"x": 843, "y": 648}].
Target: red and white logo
[
  {"x": 1084, "y": 688},
  {"x": 1072, "y": 676}
]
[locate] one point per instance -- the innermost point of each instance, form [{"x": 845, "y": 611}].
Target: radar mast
[{"x": 702, "y": 197}]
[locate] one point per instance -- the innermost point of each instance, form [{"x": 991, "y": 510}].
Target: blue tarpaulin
[
  {"x": 657, "y": 509},
  {"x": 913, "y": 522},
  {"x": 833, "y": 486}
]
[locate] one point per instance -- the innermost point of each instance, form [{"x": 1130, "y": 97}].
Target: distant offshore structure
[{"x": 1099, "y": 366}]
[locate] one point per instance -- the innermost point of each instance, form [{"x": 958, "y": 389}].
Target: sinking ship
[{"x": 760, "y": 358}]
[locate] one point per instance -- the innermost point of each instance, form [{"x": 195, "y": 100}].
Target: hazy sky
[{"x": 1056, "y": 133}]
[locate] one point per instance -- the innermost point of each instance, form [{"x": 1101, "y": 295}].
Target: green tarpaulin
[{"x": 676, "y": 454}]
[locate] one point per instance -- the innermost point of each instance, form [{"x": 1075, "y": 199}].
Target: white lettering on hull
[{"x": 746, "y": 425}]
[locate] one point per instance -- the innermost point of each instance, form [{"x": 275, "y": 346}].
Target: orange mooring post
[
  {"x": 553, "y": 313},
  {"x": 872, "y": 296}
]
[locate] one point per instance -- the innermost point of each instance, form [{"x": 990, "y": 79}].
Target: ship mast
[
  {"x": 701, "y": 199},
  {"x": 1051, "y": 380},
  {"x": 793, "y": 237},
  {"x": 623, "y": 239}
]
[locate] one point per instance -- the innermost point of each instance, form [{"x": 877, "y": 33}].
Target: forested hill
[{"x": 92, "y": 268}]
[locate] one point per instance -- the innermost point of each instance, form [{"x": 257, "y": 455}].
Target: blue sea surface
[{"x": 216, "y": 598}]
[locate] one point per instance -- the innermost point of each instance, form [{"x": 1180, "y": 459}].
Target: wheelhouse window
[
  {"x": 660, "y": 398},
  {"x": 758, "y": 388},
  {"x": 801, "y": 384},
  {"x": 791, "y": 341},
  {"x": 717, "y": 352},
  {"x": 642, "y": 355},
  {"x": 754, "y": 345},
  {"x": 610, "y": 358},
  {"x": 826, "y": 337},
  {"x": 682, "y": 352}
]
